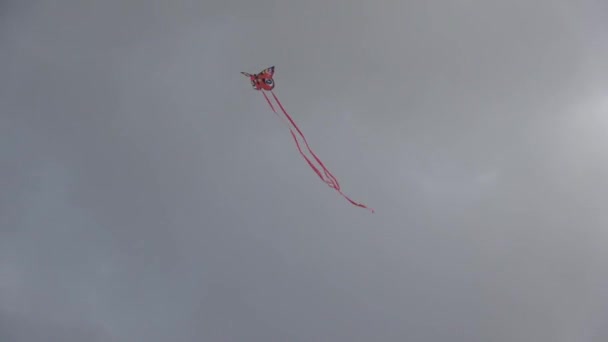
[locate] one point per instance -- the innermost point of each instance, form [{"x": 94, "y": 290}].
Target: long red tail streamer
[{"x": 329, "y": 179}]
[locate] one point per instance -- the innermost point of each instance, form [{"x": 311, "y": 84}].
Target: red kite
[{"x": 263, "y": 82}]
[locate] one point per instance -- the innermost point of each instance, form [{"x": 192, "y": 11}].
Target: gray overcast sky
[{"x": 148, "y": 194}]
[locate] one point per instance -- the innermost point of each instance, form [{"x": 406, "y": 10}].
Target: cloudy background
[{"x": 148, "y": 194}]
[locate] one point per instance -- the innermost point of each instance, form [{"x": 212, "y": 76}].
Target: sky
[{"x": 148, "y": 193}]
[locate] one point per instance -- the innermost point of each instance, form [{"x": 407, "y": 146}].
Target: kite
[{"x": 264, "y": 82}]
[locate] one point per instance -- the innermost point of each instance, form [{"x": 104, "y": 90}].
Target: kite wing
[{"x": 268, "y": 72}]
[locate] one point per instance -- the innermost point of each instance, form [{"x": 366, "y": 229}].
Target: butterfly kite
[{"x": 264, "y": 82}]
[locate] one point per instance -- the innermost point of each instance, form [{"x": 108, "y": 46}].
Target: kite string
[{"x": 332, "y": 182}]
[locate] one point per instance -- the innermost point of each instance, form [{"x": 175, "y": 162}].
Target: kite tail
[
  {"x": 269, "y": 103},
  {"x": 312, "y": 166},
  {"x": 332, "y": 181}
]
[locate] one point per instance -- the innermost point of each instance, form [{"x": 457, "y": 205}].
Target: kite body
[{"x": 264, "y": 81}]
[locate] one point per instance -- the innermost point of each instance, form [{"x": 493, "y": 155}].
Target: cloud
[{"x": 149, "y": 195}]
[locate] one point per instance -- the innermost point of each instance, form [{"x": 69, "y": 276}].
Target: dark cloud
[{"x": 149, "y": 195}]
